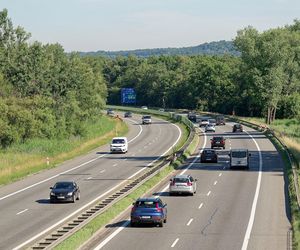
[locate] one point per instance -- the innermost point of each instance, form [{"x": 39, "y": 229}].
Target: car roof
[
  {"x": 239, "y": 150},
  {"x": 148, "y": 199},
  {"x": 182, "y": 176},
  {"x": 117, "y": 138}
]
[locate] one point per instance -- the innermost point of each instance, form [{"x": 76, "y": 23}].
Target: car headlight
[
  {"x": 70, "y": 193},
  {"x": 53, "y": 194}
]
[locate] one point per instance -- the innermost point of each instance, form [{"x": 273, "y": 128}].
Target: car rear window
[
  {"x": 146, "y": 204},
  {"x": 239, "y": 154},
  {"x": 118, "y": 141},
  {"x": 147, "y": 117},
  {"x": 209, "y": 152},
  {"x": 181, "y": 180},
  {"x": 218, "y": 138}
]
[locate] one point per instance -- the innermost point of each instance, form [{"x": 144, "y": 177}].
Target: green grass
[
  {"x": 21, "y": 160},
  {"x": 86, "y": 232}
]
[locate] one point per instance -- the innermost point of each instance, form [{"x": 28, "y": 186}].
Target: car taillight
[
  {"x": 172, "y": 183},
  {"x": 189, "y": 184},
  {"x": 158, "y": 209}
]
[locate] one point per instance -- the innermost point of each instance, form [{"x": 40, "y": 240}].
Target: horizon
[{"x": 99, "y": 25}]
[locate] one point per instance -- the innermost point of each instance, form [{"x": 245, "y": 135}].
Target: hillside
[{"x": 212, "y": 48}]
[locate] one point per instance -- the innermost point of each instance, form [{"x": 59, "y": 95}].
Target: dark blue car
[{"x": 149, "y": 210}]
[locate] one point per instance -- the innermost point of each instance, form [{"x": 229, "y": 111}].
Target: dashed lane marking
[{"x": 175, "y": 242}]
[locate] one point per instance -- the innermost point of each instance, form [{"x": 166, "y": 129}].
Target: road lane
[
  {"x": 221, "y": 219},
  {"x": 93, "y": 181}
]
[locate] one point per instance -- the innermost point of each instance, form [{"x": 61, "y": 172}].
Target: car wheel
[
  {"x": 161, "y": 224},
  {"x": 165, "y": 220},
  {"x": 78, "y": 196},
  {"x": 224, "y": 147},
  {"x": 132, "y": 224},
  {"x": 73, "y": 198},
  {"x": 192, "y": 194},
  {"x": 51, "y": 201}
]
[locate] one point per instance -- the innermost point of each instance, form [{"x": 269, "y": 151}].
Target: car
[
  {"x": 192, "y": 116},
  {"x": 203, "y": 122},
  {"x": 64, "y": 191},
  {"x": 148, "y": 210},
  {"x": 144, "y": 107},
  {"x": 110, "y": 112},
  {"x": 239, "y": 158},
  {"x": 128, "y": 114},
  {"x": 220, "y": 120},
  {"x": 212, "y": 121},
  {"x": 182, "y": 184},
  {"x": 209, "y": 155},
  {"x": 161, "y": 110},
  {"x": 218, "y": 142},
  {"x": 210, "y": 128},
  {"x": 119, "y": 144},
  {"x": 146, "y": 119},
  {"x": 237, "y": 127}
]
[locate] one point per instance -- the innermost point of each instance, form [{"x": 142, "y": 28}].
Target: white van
[
  {"x": 119, "y": 144},
  {"x": 239, "y": 158}
]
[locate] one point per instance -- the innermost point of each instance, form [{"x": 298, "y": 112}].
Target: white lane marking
[
  {"x": 254, "y": 204},
  {"x": 64, "y": 172},
  {"x": 125, "y": 159},
  {"x": 102, "y": 171},
  {"x": 23, "y": 211},
  {"x": 215, "y": 183},
  {"x": 125, "y": 224},
  {"x": 116, "y": 164},
  {"x": 201, "y": 205},
  {"x": 89, "y": 178},
  {"x": 230, "y": 148},
  {"x": 133, "y": 155},
  {"x": 208, "y": 193},
  {"x": 97, "y": 198},
  {"x": 190, "y": 221},
  {"x": 175, "y": 242},
  {"x": 220, "y": 174}
]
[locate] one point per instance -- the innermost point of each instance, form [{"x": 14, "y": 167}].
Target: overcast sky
[{"x": 91, "y": 25}]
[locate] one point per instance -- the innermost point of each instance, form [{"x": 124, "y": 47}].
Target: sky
[{"x": 92, "y": 25}]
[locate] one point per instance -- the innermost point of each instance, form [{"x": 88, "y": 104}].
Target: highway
[
  {"x": 24, "y": 206},
  {"x": 232, "y": 209}
]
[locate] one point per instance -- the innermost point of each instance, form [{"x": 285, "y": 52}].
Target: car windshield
[
  {"x": 239, "y": 154},
  {"x": 212, "y": 120},
  {"x": 238, "y": 125},
  {"x": 218, "y": 138},
  {"x": 147, "y": 117},
  {"x": 210, "y": 125},
  {"x": 63, "y": 185},
  {"x": 204, "y": 120},
  {"x": 181, "y": 180},
  {"x": 118, "y": 141},
  {"x": 146, "y": 204}
]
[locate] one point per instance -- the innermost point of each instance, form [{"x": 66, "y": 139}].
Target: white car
[
  {"x": 239, "y": 158},
  {"x": 203, "y": 122},
  {"x": 119, "y": 144},
  {"x": 182, "y": 184},
  {"x": 144, "y": 107},
  {"x": 146, "y": 119},
  {"x": 210, "y": 128}
]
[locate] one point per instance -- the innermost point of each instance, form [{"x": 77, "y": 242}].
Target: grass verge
[
  {"x": 86, "y": 232},
  {"x": 21, "y": 160}
]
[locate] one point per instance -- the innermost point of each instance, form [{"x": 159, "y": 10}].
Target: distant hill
[{"x": 212, "y": 48}]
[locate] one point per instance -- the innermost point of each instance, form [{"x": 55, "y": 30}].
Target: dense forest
[
  {"x": 44, "y": 92},
  {"x": 47, "y": 93},
  {"x": 212, "y": 48}
]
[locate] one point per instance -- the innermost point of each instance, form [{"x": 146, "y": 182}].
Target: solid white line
[
  {"x": 201, "y": 205},
  {"x": 215, "y": 183},
  {"x": 89, "y": 178},
  {"x": 111, "y": 236},
  {"x": 190, "y": 221},
  {"x": 175, "y": 242},
  {"x": 220, "y": 174},
  {"x": 64, "y": 172},
  {"x": 125, "y": 159},
  {"x": 254, "y": 204},
  {"x": 23, "y": 211},
  {"x": 97, "y": 198},
  {"x": 116, "y": 164},
  {"x": 208, "y": 193}
]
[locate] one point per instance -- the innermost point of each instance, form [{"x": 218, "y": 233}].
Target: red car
[{"x": 218, "y": 142}]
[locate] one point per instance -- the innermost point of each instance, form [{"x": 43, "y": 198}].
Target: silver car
[{"x": 182, "y": 184}]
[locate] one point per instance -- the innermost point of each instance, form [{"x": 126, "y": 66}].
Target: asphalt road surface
[
  {"x": 232, "y": 209},
  {"x": 25, "y": 211}
]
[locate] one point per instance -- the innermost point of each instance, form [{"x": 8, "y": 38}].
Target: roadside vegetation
[
  {"x": 86, "y": 232},
  {"x": 30, "y": 157}
]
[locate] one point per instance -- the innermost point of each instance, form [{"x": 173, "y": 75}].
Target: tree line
[
  {"x": 44, "y": 92},
  {"x": 263, "y": 81}
]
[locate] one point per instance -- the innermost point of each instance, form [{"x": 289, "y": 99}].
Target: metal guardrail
[{"x": 74, "y": 224}]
